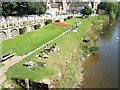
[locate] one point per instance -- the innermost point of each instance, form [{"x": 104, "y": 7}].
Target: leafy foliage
[
  {"x": 8, "y": 8},
  {"x": 22, "y": 30},
  {"x": 22, "y": 8},
  {"x": 69, "y": 17},
  {"x": 65, "y": 19},
  {"x": 110, "y": 8},
  {"x": 57, "y": 21},
  {"x": 48, "y": 21},
  {"x": 87, "y": 10},
  {"x": 37, "y": 8},
  {"x": 37, "y": 26}
]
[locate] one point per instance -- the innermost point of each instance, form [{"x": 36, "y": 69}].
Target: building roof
[
  {"x": 73, "y": 4},
  {"x": 55, "y": 5},
  {"x": 43, "y": 0}
]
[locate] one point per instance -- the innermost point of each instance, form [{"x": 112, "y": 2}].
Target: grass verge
[{"x": 29, "y": 41}]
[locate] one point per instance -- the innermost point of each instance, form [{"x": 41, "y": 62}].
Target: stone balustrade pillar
[{"x": 9, "y": 33}]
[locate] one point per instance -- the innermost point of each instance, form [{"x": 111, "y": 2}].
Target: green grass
[
  {"x": 1, "y": 64},
  {"x": 66, "y": 43},
  {"x": 28, "y": 42}
]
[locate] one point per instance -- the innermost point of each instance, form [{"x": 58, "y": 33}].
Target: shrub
[
  {"x": 99, "y": 17},
  {"x": 111, "y": 15},
  {"x": 78, "y": 17},
  {"x": 102, "y": 12},
  {"x": 10, "y": 24},
  {"x": 65, "y": 19},
  {"x": 69, "y": 17},
  {"x": 24, "y": 22},
  {"x": 57, "y": 21},
  {"x": 22, "y": 30},
  {"x": 3, "y": 26},
  {"x": 87, "y": 10},
  {"x": 86, "y": 16},
  {"x": 37, "y": 26},
  {"x": 48, "y": 21}
]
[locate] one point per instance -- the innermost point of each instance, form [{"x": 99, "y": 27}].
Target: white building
[{"x": 56, "y": 7}]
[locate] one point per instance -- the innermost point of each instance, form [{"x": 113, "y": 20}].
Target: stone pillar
[
  {"x": 9, "y": 33},
  {"x": 64, "y": 5},
  {"x": 53, "y": 1},
  {"x": 61, "y": 20},
  {"x": 28, "y": 28}
]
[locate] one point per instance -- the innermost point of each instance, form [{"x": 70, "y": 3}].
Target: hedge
[
  {"x": 22, "y": 30},
  {"x": 57, "y": 21},
  {"x": 48, "y": 21},
  {"x": 65, "y": 19},
  {"x": 69, "y": 17},
  {"x": 37, "y": 26}
]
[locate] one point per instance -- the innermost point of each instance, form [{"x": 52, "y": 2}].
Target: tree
[
  {"x": 118, "y": 13},
  {"x": 7, "y": 8},
  {"x": 87, "y": 10},
  {"x": 37, "y": 8},
  {"x": 22, "y": 8},
  {"x": 111, "y": 8}
]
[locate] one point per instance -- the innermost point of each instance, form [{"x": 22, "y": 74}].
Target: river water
[{"x": 102, "y": 69}]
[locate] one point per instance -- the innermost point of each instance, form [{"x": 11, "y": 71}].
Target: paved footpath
[{"x": 16, "y": 59}]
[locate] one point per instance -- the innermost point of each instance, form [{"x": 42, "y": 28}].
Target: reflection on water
[
  {"x": 108, "y": 29},
  {"x": 102, "y": 69},
  {"x": 91, "y": 60}
]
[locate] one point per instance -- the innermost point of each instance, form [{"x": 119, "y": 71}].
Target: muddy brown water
[{"x": 102, "y": 69}]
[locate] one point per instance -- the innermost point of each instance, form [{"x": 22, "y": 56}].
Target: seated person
[
  {"x": 46, "y": 49},
  {"x": 86, "y": 40},
  {"x": 43, "y": 55},
  {"x": 74, "y": 27},
  {"x": 55, "y": 48}
]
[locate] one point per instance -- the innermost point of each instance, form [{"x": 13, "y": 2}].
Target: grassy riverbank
[
  {"x": 29, "y": 41},
  {"x": 56, "y": 62}
]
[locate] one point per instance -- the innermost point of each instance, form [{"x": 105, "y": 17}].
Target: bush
[
  {"x": 78, "y": 17},
  {"x": 57, "y": 21},
  {"x": 99, "y": 17},
  {"x": 10, "y": 24},
  {"x": 69, "y": 17},
  {"x": 112, "y": 15},
  {"x": 65, "y": 19},
  {"x": 102, "y": 12},
  {"x": 24, "y": 22},
  {"x": 87, "y": 10},
  {"x": 22, "y": 30},
  {"x": 37, "y": 26},
  {"x": 48, "y": 21},
  {"x": 3, "y": 26}
]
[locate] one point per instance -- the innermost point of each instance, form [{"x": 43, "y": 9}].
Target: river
[{"x": 102, "y": 69}]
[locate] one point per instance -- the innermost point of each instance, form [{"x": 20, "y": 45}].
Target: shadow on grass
[
  {"x": 32, "y": 84},
  {"x": 79, "y": 17}
]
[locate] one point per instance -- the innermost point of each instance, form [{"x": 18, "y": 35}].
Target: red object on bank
[{"x": 61, "y": 24}]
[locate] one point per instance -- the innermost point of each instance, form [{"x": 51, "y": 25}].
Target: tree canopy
[
  {"x": 111, "y": 8},
  {"x": 37, "y": 8},
  {"x": 7, "y": 8},
  {"x": 87, "y": 10},
  {"x": 22, "y": 8}
]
